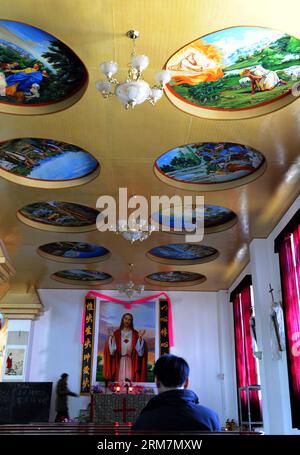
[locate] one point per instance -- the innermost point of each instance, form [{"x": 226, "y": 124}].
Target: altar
[{"x": 117, "y": 408}]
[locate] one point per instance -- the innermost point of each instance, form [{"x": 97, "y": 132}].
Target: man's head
[
  {"x": 65, "y": 376},
  {"x": 171, "y": 372}
]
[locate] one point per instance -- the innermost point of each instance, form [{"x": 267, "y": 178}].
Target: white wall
[{"x": 56, "y": 346}]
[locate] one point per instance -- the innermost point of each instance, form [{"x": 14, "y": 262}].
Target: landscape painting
[
  {"x": 216, "y": 218},
  {"x": 35, "y": 67},
  {"x": 53, "y": 215},
  {"x": 208, "y": 163},
  {"x": 143, "y": 319},
  {"x": 175, "y": 278},
  {"x": 184, "y": 253},
  {"x": 78, "y": 276},
  {"x": 46, "y": 161},
  {"x": 236, "y": 68},
  {"x": 74, "y": 252}
]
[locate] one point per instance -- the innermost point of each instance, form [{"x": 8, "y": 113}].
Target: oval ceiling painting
[
  {"x": 45, "y": 163},
  {"x": 39, "y": 74},
  {"x": 237, "y": 72},
  {"x": 59, "y": 216},
  {"x": 82, "y": 277},
  {"x": 216, "y": 219},
  {"x": 175, "y": 278},
  {"x": 80, "y": 252},
  {"x": 182, "y": 253},
  {"x": 210, "y": 166}
]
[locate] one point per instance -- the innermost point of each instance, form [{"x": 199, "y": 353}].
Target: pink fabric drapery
[
  {"x": 246, "y": 368},
  {"x": 289, "y": 257},
  {"x": 128, "y": 305}
]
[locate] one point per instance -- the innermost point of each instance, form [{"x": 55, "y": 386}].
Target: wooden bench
[{"x": 91, "y": 429}]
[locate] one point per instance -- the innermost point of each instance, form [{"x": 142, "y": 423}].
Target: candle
[
  {"x": 117, "y": 389},
  {"x": 130, "y": 389}
]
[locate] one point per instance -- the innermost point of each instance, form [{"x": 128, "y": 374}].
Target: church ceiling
[{"x": 57, "y": 133}]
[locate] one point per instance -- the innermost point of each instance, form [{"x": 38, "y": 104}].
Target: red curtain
[
  {"x": 289, "y": 257},
  {"x": 246, "y": 368}
]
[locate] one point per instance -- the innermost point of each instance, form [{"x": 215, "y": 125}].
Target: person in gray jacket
[{"x": 62, "y": 393}]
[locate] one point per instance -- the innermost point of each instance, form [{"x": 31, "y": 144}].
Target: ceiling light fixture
[
  {"x": 134, "y": 90},
  {"x": 134, "y": 231},
  {"x": 130, "y": 288}
]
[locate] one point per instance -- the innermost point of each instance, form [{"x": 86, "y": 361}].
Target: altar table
[{"x": 117, "y": 408}]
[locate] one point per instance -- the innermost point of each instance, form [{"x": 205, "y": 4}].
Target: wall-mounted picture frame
[
  {"x": 14, "y": 363},
  {"x": 142, "y": 319}
]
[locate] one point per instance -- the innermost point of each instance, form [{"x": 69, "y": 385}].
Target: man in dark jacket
[
  {"x": 62, "y": 392},
  {"x": 175, "y": 408}
]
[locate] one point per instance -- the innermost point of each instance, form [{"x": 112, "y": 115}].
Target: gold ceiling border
[
  {"x": 70, "y": 260},
  {"x": 212, "y": 186},
  {"x": 49, "y": 184},
  {"x": 222, "y": 114},
  {"x": 207, "y": 230},
  {"x": 211, "y": 114},
  {"x": 52, "y": 228},
  {"x": 81, "y": 282},
  {"x": 47, "y": 108},
  {"x": 161, "y": 260},
  {"x": 53, "y": 107},
  {"x": 175, "y": 284}
]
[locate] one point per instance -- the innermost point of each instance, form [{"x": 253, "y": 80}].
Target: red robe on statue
[{"x": 111, "y": 363}]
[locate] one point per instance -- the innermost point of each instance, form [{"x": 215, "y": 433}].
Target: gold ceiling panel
[{"x": 127, "y": 143}]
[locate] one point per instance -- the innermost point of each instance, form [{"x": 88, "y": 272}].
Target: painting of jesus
[{"x": 126, "y": 343}]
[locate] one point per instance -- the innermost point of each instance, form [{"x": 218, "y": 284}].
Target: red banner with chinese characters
[{"x": 88, "y": 324}]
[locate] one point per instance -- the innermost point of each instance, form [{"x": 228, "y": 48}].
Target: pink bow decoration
[{"x": 128, "y": 305}]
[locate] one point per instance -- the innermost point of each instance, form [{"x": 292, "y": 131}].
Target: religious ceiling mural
[
  {"x": 46, "y": 163},
  {"x": 59, "y": 216},
  {"x": 210, "y": 165},
  {"x": 37, "y": 71},
  {"x": 237, "y": 72},
  {"x": 175, "y": 278},
  {"x": 82, "y": 277},
  {"x": 216, "y": 219},
  {"x": 80, "y": 252},
  {"x": 182, "y": 253}
]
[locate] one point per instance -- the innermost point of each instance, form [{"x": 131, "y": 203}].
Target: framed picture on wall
[
  {"x": 14, "y": 363},
  {"x": 126, "y": 342}
]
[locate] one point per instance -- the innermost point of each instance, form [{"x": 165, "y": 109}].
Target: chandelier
[
  {"x": 130, "y": 288},
  {"x": 134, "y": 231},
  {"x": 134, "y": 90}
]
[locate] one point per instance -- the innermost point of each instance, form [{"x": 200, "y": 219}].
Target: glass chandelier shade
[
  {"x": 134, "y": 232},
  {"x": 130, "y": 288},
  {"x": 134, "y": 90}
]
